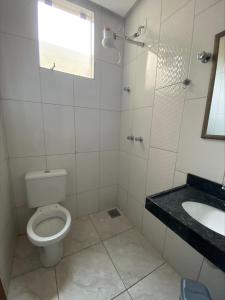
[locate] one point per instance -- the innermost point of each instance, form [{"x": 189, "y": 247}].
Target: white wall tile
[
  {"x": 57, "y": 87},
  {"x": 204, "y": 4},
  {"x": 110, "y": 86},
  {"x": 174, "y": 47},
  {"x": 87, "y": 129},
  {"x": 142, "y": 119},
  {"x": 161, "y": 166},
  {"x": 59, "y": 129},
  {"x": 87, "y": 91},
  {"x": 168, "y": 8},
  {"x": 179, "y": 179},
  {"x": 108, "y": 197},
  {"x": 168, "y": 110},
  {"x": 71, "y": 205},
  {"x": 87, "y": 171},
  {"x": 87, "y": 203},
  {"x": 154, "y": 230},
  {"x": 195, "y": 154},
  {"x": 19, "y": 17},
  {"x": 19, "y": 167},
  {"x": 109, "y": 168},
  {"x": 123, "y": 177},
  {"x": 110, "y": 130},
  {"x": 134, "y": 212},
  {"x": 67, "y": 162},
  {"x": 19, "y": 68},
  {"x": 214, "y": 279},
  {"x": 6, "y": 212},
  {"x": 129, "y": 77},
  {"x": 137, "y": 178},
  {"x": 122, "y": 200},
  {"x": 24, "y": 128},
  {"x": 126, "y": 130},
  {"x": 200, "y": 73},
  {"x": 131, "y": 25},
  {"x": 181, "y": 256},
  {"x": 145, "y": 79}
]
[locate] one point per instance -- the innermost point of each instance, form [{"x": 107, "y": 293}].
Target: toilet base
[{"x": 51, "y": 254}]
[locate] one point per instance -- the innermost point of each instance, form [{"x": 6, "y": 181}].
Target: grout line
[{"x": 176, "y": 11}]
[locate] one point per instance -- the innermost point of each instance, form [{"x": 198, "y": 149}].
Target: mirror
[{"x": 214, "y": 120}]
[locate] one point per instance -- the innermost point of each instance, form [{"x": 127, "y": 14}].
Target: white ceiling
[{"x": 120, "y": 7}]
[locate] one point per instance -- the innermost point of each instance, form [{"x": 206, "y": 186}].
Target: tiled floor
[{"x": 104, "y": 259}]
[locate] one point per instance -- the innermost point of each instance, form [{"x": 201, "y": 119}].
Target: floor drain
[{"x": 114, "y": 213}]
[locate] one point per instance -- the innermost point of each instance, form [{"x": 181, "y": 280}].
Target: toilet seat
[{"x": 48, "y": 225}]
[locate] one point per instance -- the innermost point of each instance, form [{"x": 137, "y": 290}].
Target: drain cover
[{"x": 114, "y": 213}]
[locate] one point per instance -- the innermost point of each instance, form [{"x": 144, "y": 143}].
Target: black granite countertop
[{"x": 167, "y": 206}]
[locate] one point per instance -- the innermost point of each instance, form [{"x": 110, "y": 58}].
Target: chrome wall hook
[{"x": 204, "y": 56}]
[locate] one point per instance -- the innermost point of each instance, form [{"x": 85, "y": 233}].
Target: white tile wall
[
  {"x": 200, "y": 73},
  {"x": 87, "y": 124},
  {"x": 110, "y": 130},
  {"x": 108, "y": 197},
  {"x": 109, "y": 168},
  {"x": 20, "y": 19},
  {"x": 181, "y": 256},
  {"x": 167, "y": 117},
  {"x": 161, "y": 167},
  {"x": 214, "y": 279},
  {"x": 110, "y": 86},
  {"x": 87, "y": 91},
  {"x": 87, "y": 171},
  {"x": 19, "y": 72},
  {"x": 195, "y": 154},
  {"x": 57, "y": 87},
  {"x": 174, "y": 46},
  {"x": 175, "y": 129},
  {"x": 7, "y": 218},
  {"x": 59, "y": 129},
  {"x": 24, "y": 128},
  {"x": 58, "y": 120}
]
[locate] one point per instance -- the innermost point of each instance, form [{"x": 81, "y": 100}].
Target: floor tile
[
  {"x": 133, "y": 256},
  {"x": 162, "y": 284},
  {"x": 36, "y": 285},
  {"x": 82, "y": 235},
  {"x": 123, "y": 296},
  {"x": 26, "y": 257},
  {"x": 88, "y": 275},
  {"x": 107, "y": 226}
]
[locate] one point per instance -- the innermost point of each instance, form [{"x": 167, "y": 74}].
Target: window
[{"x": 66, "y": 37}]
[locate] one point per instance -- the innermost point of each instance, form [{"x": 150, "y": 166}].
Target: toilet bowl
[{"x": 46, "y": 229}]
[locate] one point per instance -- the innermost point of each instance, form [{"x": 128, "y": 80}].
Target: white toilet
[{"x": 51, "y": 222}]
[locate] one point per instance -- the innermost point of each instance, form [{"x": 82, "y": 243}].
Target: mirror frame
[{"x": 210, "y": 91}]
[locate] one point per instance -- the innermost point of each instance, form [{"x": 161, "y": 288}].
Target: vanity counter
[{"x": 167, "y": 206}]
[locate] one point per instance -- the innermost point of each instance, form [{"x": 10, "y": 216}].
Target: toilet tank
[{"x": 45, "y": 187}]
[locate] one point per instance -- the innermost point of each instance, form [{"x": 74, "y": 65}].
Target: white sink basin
[{"x": 209, "y": 216}]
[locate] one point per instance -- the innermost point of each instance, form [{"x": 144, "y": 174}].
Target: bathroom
[{"x": 107, "y": 126}]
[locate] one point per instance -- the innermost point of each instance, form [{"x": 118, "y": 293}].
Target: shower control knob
[
  {"x": 130, "y": 137},
  {"x": 139, "y": 139}
]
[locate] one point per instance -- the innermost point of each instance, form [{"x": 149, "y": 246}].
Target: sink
[{"x": 207, "y": 215}]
